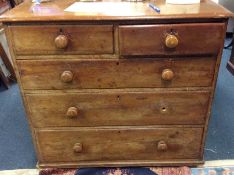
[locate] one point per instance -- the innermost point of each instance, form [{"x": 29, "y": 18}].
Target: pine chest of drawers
[{"x": 107, "y": 90}]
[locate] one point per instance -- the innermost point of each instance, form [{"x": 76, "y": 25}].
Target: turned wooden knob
[
  {"x": 162, "y": 146},
  {"x": 77, "y": 148},
  {"x": 61, "y": 41},
  {"x": 167, "y": 74},
  {"x": 67, "y": 76},
  {"x": 72, "y": 112},
  {"x": 171, "y": 41}
]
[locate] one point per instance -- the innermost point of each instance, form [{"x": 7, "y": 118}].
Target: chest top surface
[{"x": 54, "y": 11}]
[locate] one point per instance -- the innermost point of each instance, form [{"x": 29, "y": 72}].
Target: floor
[
  {"x": 16, "y": 148},
  {"x": 220, "y": 167}
]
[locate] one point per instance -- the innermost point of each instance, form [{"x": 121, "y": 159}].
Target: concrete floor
[{"x": 16, "y": 148}]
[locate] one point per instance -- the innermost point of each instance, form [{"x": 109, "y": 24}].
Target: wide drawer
[
  {"x": 123, "y": 73},
  {"x": 122, "y": 144},
  {"x": 171, "y": 39},
  {"x": 117, "y": 107},
  {"x": 63, "y": 39}
]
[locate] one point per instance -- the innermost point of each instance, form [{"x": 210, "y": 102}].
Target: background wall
[{"x": 229, "y": 4}]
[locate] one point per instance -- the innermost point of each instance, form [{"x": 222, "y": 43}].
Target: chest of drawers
[{"x": 102, "y": 90}]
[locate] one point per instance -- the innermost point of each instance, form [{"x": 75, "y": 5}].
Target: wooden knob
[
  {"x": 77, "y": 148},
  {"x": 171, "y": 41},
  {"x": 61, "y": 41},
  {"x": 162, "y": 146},
  {"x": 72, "y": 112},
  {"x": 167, "y": 74},
  {"x": 67, "y": 76}
]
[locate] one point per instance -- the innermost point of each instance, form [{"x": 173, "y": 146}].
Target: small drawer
[
  {"x": 118, "y": 144},
  {"x": 63, "y": 39},
  {"x": 116, "y": 73},
  {"x": 118, "y": 108},
  {"x": 173, "y": 39}
]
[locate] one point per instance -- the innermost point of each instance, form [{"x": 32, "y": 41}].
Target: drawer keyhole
[{"x": 164, "y": 109}]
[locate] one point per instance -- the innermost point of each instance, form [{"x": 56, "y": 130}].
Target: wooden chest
[{"x": 125, "y": 90}]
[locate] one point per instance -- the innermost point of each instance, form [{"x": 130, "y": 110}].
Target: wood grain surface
[
  {"x": 82, "y": 39},
  {"x": 118, "y": 144},
  {"x": 50, "y": 12},
  {"x": 122, "y": 73},
  {"x": 120, "y": 89},
  {"x": 151, "y": 39},
  {"x": 111, "y": 108}
]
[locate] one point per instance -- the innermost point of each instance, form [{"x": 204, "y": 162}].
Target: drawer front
[
  {"x": 131, "y": 73},
  {"x": 86, "y": 144},
  {"x": 117, "y": 108},
  {"x": 83, "y": 39},
  {"x": 173, "y": 39}
]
